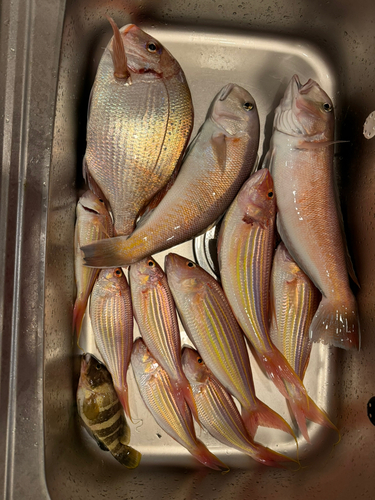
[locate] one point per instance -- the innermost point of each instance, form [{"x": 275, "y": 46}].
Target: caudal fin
[
  {"x": 105, "y": 253},
  {"x": 78, "y": 313},
  {"x": 182, "y": 393},
  {"x": 336, "y": 324},
  {"x": 127, "y": 456},
  {"x": 203, "y": 455},
  {"x": 313, "y": 413},
  {"x": 123, "y": 395},
  {"x": 266, "y": 456},
  {"x": 263, "y": 416}
]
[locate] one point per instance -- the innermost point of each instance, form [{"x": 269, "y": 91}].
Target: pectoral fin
[{"x": 219, "y": 148}]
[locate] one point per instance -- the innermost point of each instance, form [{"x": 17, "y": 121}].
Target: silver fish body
[
  {"x": 138, "y": 123},
  {"x": 101, "y": 412},
  {"x": 111, "y": 317},
  {"x": 216, "y": 164},
  {"x": 157, "y": 393},
  {"x": 93, "y": 223}
]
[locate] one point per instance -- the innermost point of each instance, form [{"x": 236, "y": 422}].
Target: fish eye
[
  {"x": 190, "y": 264},
  {"x": 247, "y": 106},
  {"x": 327, "y": 107},
  {"x": 98, "y": 366},
  {"x": 270, "y": 194},
  {"x": 152, "y": 47},
  {"x": 150, "y": 263},
  {"x": 101, "y": 201},
  {"x": 200, "y": 360},
  {"x": 118, "y": 272}
]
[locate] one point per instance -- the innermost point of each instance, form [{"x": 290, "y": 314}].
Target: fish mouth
[
  {"x": 225, "y": 91},
  {"x": 305, "y": 89},
  {"x": 125, "y": 30}
]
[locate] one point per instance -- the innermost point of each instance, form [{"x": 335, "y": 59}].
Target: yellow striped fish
[
  {"x": 245, "y": 250},
  {"x": 101, "y": 412},
  {"x": 294, "y": 301},
  {"x": 111, "y": 316},
  {"x": 213, "y": 329},
  {"x": 155, "y": 313},
  {"x": 93, "y": 223},
  {"x": 157, "y": 393},
  {"x": 218, "y": 413}
]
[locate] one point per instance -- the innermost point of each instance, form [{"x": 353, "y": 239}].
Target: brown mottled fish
[
  {"x": 93, "y": 223},
  {"x": 213, "y": 329},
  {"x": 140, "y": 119},
  {"x": 101, "y": 412},
  {"x": 216, "y": 164},
  {"x": 111, "y": 317},
  {"x": 155, "y": 313},
  {"x": 309, "y": 218},
  {"x": 157, "y": 393}
]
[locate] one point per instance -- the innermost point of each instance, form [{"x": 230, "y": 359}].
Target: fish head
[
  {"x": 141, "y": 358},
  {"x": 305, "y": 110},
  {"x": 256, "y": 199},
  {"x": 193, "y": 365},
  {"x": 235, "y": 111},
  {"x": 183, "y": 274},
  {"x": 112, "y": 280},
  {"x": 93, "y": 372},
  {"x": 146, "y": 272},
  {"x": 92, "y": 204},
  {"x": 145, "y": 55}
]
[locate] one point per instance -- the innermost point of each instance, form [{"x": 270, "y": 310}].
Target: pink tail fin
[
  {"x": 183, "y": 394},
  {"x": 269, "y": 457},
  {"x": 263, "y": 416},
  {"x": 203, "y": 455},
  {"x": 313, "y": 413},
  {"x": 336, "y": 324},
  {"x": 123, "y": 396},
  {"x": 78, "y": 313}
]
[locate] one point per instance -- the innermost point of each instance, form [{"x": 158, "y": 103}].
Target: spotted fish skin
[
  {"x": 111, "y": 315},
  {"x": 157, "y": 393},
  {"x": 138, "y": 125},
  {"x": 102, "y": 413},
  {"x": 93, "y": 223}
]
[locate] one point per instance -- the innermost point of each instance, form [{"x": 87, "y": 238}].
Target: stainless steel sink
[{"x": 49, "y": 55}]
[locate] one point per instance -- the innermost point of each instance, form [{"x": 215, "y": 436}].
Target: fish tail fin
[
  {"x": 313, "y": 413},
  {"x": 263, "y": 416},
  {"x": 204, "y": 456},
  {"x": 78, "y": 314},
  {"x": 105, "y": 253},
  {"x": 337, "y": 324},
  {"x": 183, "y": 393},
  {"x": 123, "y": 396},
  {"x": 266, "y": 456},
  {"x": 127, "y": 456},
  {"x": 118, "y": 53}
]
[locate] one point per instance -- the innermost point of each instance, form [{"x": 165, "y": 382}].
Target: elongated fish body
[
  {"x": 301, "y": 163},
  {"x": 157, "y": 393},
  {"x": 211, "y": 326},
  {"x": 139, "y": 122},
  {"x": 93, "y": 223},
  {"x": 245, "y": 251},
  {"x": 111, "y": 316},
  {"x": 216, "y": 164},
  {"x": 218, "y": 412},
  {"x": 102, "y": 413},
  {"x": 155, "y": 313},
  {"x": 295, "y": 300}
]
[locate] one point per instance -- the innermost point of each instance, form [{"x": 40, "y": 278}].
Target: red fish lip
[
  {"x": 127, "y": 28},
  {"x": 304, "y": 89}
]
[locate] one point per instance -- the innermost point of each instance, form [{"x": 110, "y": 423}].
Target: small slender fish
[
  {"x": 309, "y": 219},
  {"x": 157, "y": 393},
  {"x": 111, "y": 317},
  {"x": 216, "y": 164},
  {"x": 93, "y": 223},
  {"x": 213, "y": 329},
  {"x": 155, "y": 313},
  {"x": 102, "y": 414},
  {"x": 245, "y": 251},
  {"x": 139, "y": 121},
  {"x": 218, "y": 412}
]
